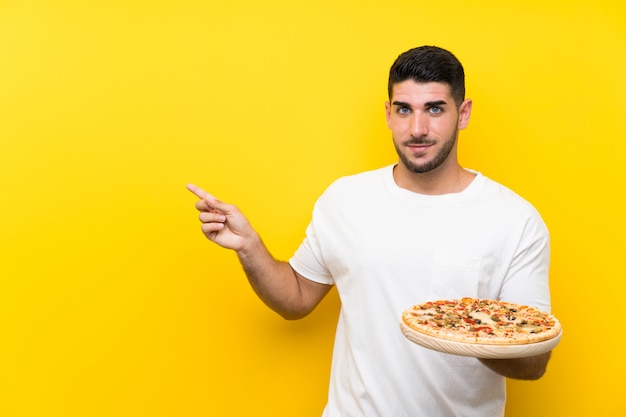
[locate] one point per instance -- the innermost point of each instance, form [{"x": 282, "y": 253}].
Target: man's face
[{"x": 424, "y": 122}]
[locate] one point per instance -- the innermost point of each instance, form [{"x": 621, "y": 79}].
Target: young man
[{"x": 424, "y": 228}]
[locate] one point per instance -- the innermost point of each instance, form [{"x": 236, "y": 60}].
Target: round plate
[{"x": 477, "y": 350}]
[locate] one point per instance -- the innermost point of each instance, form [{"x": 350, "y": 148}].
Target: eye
[
  {"x": 435, "y": 110},
  {"x": 403, "y": 110}
]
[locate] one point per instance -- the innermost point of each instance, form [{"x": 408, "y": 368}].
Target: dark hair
[{"x": 429, "y": 64}]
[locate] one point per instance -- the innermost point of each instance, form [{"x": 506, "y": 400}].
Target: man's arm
[
  {"x": 530, "y": 368},
  {"x": 275, "y": 282}
]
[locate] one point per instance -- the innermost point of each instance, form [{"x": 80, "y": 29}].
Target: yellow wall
[{"x": 111, "y": 301}]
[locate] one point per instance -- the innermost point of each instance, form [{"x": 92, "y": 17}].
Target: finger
[
  {"x": 211, "y": 217},
  {"x": 213, "y": 204},
  {"x": 201, "y": 205},
  {"x": 199, "y": 192},
  {"x": 209, "y": 202},
  {"x": 209, "y": 206},
  {"x": 209, "y": 229},
  {"x": 205, "y": 198}
]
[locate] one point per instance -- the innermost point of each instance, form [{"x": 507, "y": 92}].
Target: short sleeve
[
  {"x": 527, "y": 278},
  {"x": 308, "y": 260}
]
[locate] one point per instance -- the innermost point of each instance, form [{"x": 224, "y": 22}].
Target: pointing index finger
[
  {"x": 207, "y": 201},
  {"x": 199, "y": 192}
]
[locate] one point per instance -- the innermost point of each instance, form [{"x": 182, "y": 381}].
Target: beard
[{"x": 431, "y": 164}]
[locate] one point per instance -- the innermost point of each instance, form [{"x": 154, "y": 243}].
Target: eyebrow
[{"x": 427, "y": 104}]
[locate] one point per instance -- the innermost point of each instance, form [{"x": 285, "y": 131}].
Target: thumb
[{"x": 216, "y": 204}]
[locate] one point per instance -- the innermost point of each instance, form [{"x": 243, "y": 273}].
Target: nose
[{"x": 419, "y": 125}]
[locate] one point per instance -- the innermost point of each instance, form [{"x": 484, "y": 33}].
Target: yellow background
[{"x": 112, "y": 303}]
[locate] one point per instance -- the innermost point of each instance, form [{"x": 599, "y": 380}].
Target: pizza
[{"x": 481, "y": 321}]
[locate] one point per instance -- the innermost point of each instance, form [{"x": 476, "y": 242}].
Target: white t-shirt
[{"x": 386, "y": 249}]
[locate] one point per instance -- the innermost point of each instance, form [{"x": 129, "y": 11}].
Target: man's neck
[{"x": 442, "y": 180}]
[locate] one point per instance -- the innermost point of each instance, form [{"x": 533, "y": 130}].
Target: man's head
[
  {"x": 426, "y": 110},
  {"x": 429, "y": 64}
]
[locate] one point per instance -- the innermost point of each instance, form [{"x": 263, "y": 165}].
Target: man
[{"x": 424, "y": 228}]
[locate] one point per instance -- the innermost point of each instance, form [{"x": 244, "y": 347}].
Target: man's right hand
[
  {"x": 222, "y": 223},
  {"x": 282, "y": 288}
]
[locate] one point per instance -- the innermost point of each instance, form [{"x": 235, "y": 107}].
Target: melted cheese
[{"x": 484, "y": 318}]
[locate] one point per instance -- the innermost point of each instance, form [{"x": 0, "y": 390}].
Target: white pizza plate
[{"x": 478, "y": 350}]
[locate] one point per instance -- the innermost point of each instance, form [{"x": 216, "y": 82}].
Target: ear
[
  {"x": 387, "y": 111},
  {"x": 465, "y": 111}
]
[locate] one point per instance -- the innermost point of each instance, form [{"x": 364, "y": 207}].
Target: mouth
[{"x": 419, "y": 146}]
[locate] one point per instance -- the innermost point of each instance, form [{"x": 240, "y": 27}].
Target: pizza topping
[{"x": 482, "y": 321}]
